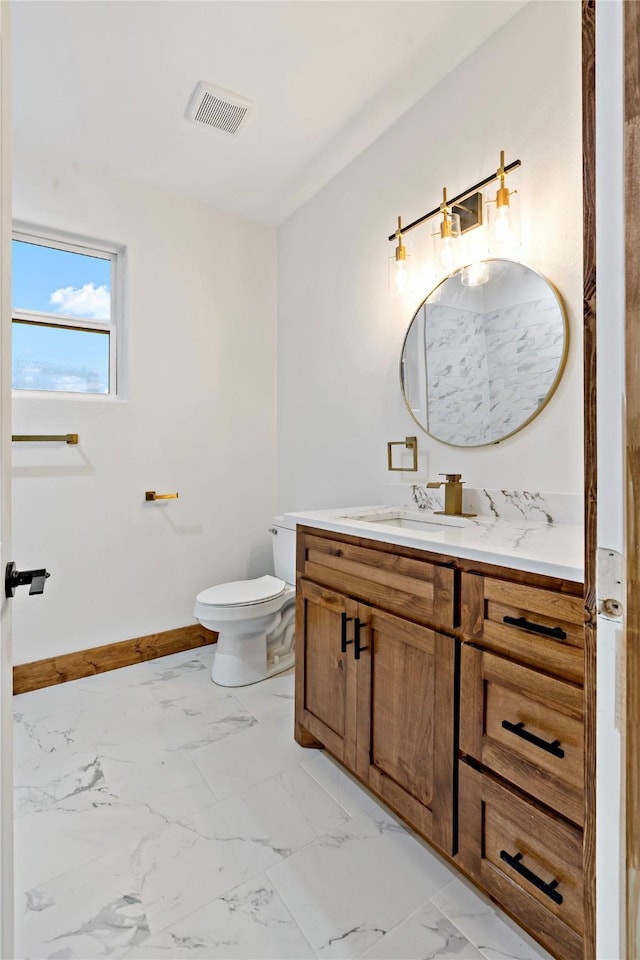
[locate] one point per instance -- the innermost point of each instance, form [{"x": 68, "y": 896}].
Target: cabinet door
[
  {"x": 325, "y": 669},
  {"x": 405, "y": 732}
]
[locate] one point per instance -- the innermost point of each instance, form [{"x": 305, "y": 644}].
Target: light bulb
[
  {"x": 399, "y": 272},
  {"x": 447, "y": 254},
  {"x": 475, "y": 274},
  {"x": 504, "y": 216},
  {"x": 400, "y": 277},
  {"x": 502, "y": 225}
]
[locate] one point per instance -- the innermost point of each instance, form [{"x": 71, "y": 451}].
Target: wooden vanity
[{"x": 454, "y": 690}]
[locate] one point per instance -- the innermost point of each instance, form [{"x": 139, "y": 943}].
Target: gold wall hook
[
  {"x": 152, "y": 495},
  {"x": 411, "y": 443}
]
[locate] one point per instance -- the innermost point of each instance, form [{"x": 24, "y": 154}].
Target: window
[{"x": 65, "y": 316}]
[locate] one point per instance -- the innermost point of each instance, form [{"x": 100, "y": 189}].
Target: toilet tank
[{"x": 284, "y": 549}]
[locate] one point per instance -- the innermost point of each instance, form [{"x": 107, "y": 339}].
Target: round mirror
[{"x": 484, "y": 353}]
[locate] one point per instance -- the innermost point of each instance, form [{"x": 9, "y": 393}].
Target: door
[
  {"x": 6, "y": 658},
  {"x": 405, "y": 726},
  {"x": 325, "y": 671}
]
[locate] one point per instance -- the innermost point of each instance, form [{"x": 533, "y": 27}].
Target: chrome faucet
[{"x": 452, "y": 495}]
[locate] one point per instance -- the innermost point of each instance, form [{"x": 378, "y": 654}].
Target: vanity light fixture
[
  {"x": 504, "y": 216},
  {"x": 468, "y": 208},
  {"x": 398, "y": 267},
  {"x": 445, "y": 240}
]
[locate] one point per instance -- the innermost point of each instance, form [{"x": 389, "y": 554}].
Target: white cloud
[{"x": 87, "y": 301}]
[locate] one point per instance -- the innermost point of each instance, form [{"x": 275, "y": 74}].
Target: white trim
[{"x": 6, "y": 657}]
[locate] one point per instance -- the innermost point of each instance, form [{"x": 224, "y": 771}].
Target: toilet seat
[{"x": 242, "y": 593}]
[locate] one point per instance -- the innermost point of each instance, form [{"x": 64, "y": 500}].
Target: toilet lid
[{"x": 240, "y": 593}]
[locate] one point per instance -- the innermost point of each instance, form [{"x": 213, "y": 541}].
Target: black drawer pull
[
  {"x": 344, "y": 620},
  {"x": 549, "y": 889},
  {"x": 357, "y": 626},
  {"x": 556, "y": 632},
  {"x": 520, "y": 731}
]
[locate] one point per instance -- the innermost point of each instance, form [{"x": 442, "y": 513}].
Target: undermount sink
[{"x": 410, "y": 519}]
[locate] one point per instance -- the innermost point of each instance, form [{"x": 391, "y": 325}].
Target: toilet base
[{"x": 242, "y": 660}]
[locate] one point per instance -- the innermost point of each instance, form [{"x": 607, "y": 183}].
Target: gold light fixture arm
[{"x": 401, "y": 250}]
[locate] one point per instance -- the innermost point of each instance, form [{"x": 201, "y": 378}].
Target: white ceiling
[{"x": 105, "y": 84}]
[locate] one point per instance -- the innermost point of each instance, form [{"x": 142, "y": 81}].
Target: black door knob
[{"x": 21, "y": 578}]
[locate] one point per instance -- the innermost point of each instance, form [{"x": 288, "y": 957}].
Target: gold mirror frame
[{"x": 561, "y": 365}]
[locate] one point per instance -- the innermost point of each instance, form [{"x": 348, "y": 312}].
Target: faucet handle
[{"x": 452, "y": 477}]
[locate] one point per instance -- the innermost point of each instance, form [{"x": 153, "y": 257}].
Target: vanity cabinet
[
  {"x": 375, "y": 688},
  {"x": 454, "y": 691}
]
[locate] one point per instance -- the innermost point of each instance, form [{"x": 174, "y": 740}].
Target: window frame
[{"x": 100, "y": 249}]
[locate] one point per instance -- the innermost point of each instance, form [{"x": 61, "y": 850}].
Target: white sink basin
[{"x": 410, "y": 519}]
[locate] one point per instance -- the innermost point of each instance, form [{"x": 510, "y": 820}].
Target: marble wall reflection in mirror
[{"x": 480, "y": 362}]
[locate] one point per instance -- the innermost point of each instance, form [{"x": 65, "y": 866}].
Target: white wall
[
  {"x": 340, "y": 335},
  {"x": 199, "y": 419}
]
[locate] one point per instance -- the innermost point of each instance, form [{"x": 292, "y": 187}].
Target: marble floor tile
[
  {"x": 91, "y": 912},
  {"x": 248, "y": 921},
  {"x": 425, "y": 934},
  {"x": 270, "y": 698},
  {"x": 183, "y": 865},
  {"x": 172, "y": 788},
  {"x": 160, "y": 815},
  {"x": 354, "y": 885},
  {"x": 249, "y": 757},
  {"x": 40, "y": 786},
  {"x": 75, "y": 831},
  {"x": 488, "y": 929},
  {"x": 344, "y": 788}
]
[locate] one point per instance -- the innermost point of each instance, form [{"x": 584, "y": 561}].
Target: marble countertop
[{"x": 553, "y": 549}]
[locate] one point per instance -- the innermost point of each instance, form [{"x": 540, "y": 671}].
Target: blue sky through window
[
  {"x": 58, "y": 281},
  {"x": 48, "y": 280}
]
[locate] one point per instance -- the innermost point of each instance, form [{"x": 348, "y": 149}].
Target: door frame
[
  {"x": 6, "y": 657},
  {"x": 590, "y": 463},
  {"x": 631, "y": 12}
]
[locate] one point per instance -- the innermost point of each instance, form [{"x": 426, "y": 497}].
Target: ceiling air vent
[{"x": 219, "y": 108}]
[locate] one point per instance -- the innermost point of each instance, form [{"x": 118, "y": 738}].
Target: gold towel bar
[
  {"x": 152, "y": 495},
  {"x": 45, "y": 437}
]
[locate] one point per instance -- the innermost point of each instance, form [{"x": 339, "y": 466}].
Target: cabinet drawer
[
  {"x": 535, "y": 625},
  {"x": 526, "y": 726},
  {"x": 530, "y": 861},
  {"x": 413, "y": 588}
]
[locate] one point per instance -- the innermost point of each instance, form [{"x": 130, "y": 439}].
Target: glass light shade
[
  {"x": 446, "y": 244},
  {"x": 475, "y": 274},
  {"x": 399, "y": 274},
  {"x": 503, "y": 209}
]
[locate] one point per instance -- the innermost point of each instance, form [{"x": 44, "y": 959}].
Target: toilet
[{"x": 254, "y": 619}]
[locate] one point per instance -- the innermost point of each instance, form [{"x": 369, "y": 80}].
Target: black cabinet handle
[
  {"x": 520, "y": 731},
  {"x": 357, "y": 626},
  {"x": 344, "y": 620},
  {"x": 549, "y": 889},
  {"x": 556, "y": 632}
]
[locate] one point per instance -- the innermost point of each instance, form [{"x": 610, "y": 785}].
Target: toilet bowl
[{"x": 254, "y": 619}]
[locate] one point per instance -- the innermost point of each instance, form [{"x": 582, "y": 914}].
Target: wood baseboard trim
[{"x": 85, "y": 663}]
